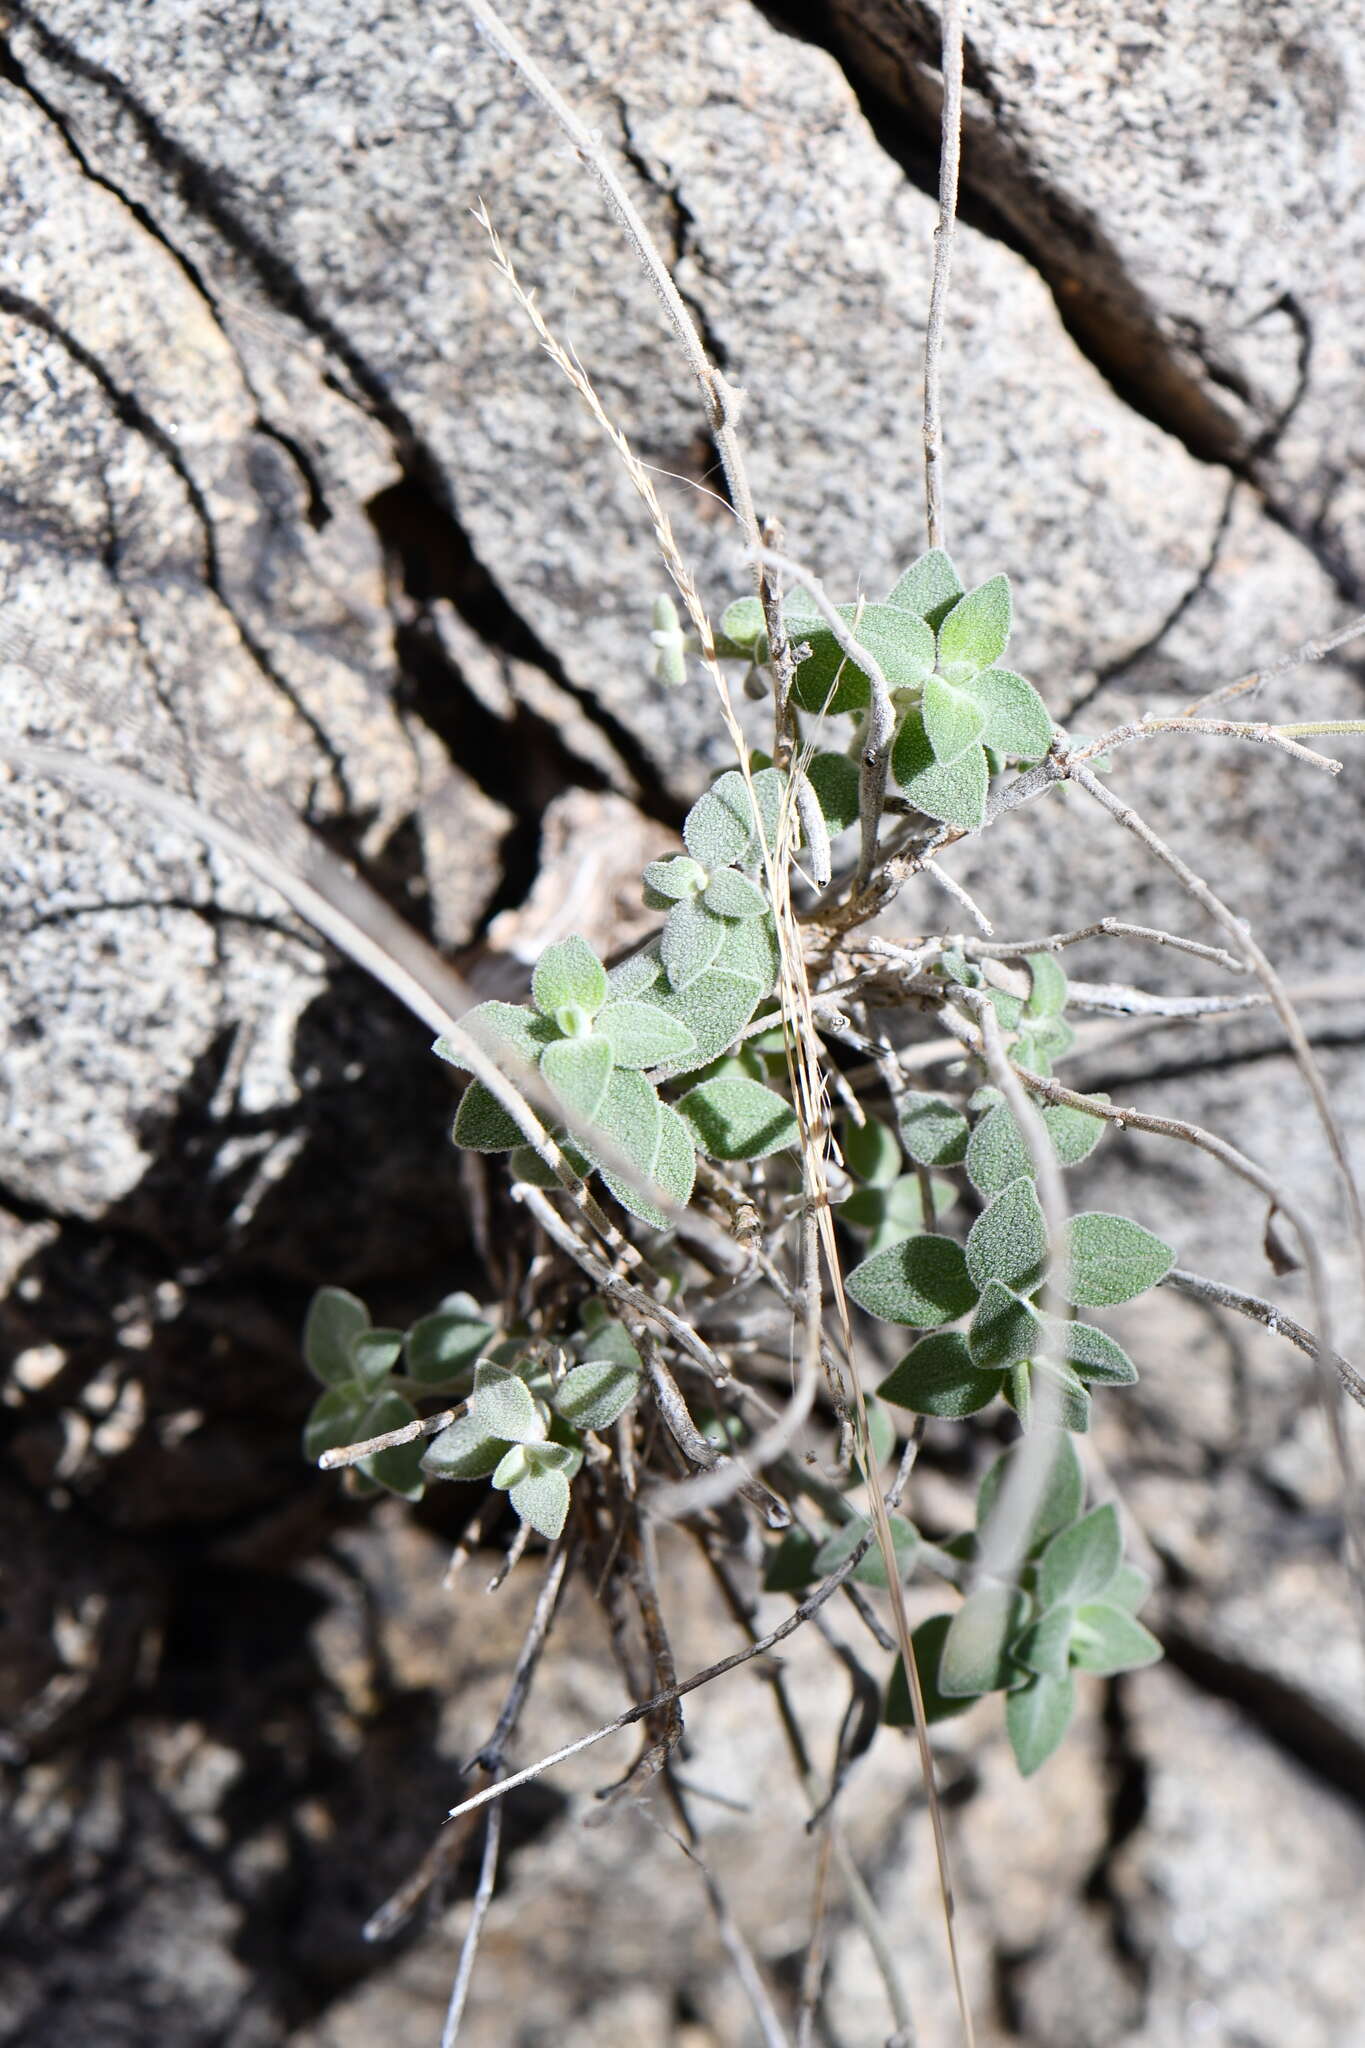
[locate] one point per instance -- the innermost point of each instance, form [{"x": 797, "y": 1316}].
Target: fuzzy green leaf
[
  {"x": 1080, "y": 1562},
  {"x": 743, "y": 622},
  {"x": 578, "y": 1070},
  {"x": 497, "y": 1025},
  {"x": 899, "y": 641},
  {"x": 463, "y": 1451},
  {"x": 871, "y": 1152},
  {"x": 1008, "y": 1241},
  {"x": 719, "y": 828},
  {"x": 927, "y": 1643},
  {"x": 656, "y": 1138},
  {"x": 953, "y": 792},
  {"x": 975, "y": 633},
  {"x": 642, "y": 1035},
  {"x": 1036, "y": 1719},
  {"x": 628, "y": 1116},
  {"x": 1091, "y": 1353},
  {"x": 933, "y": 1130},
  {"x": 1111, "y": 1260},
  {"x": 676, "y": 878},
  {"x": 922, "y": 1282},
  {"x": 482, "y": 1124},
  {"x": 1047, "y": 994},
  {"x": 376, "y": 1354},
  {"x": 442, "y": 1346},
  {"x": 930, "y": 586},
  {"x": 834, "y": 778},
  {"x": 738, "y": 1119},
  {"x": 791, "y": 1563},
  {"x": 975, "y": 1655},
  {"x": 1128, "y": 1588},
  {"x": 690, "y": 941},
  {"x": 335, "y": 1419},
  {"x": 892, "y": 1213},
  {"x": 503, "y": 1406},
  {"x": 1058, "y": 1501},
  {"x": 569, "y": 972},
  {"x": 1004, "y": 1329},
  {"x": 870, "y": 1569},
  {"x": 939, "y": 1378},
  {"x": 953, "y": 721},
  {"x": 1015, "y": 719},
  {"x": 335, "y": 1320},
  {"x": 611, "y": 1340},
  {"x": 542, "y": 1499},
  {"x": 1044, "y": 1646},
  {"x": 1069, "y": 1396},
  {"x": 1106, "y": 1639},
  {"x": 593, "y": 1394},
  {"x": 998, "y": 1152},
  {"x": 731, "y": 894}
]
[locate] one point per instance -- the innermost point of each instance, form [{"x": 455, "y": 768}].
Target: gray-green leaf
[
  {"x": 930, "y": 586},
  {"x": 834, "y": 778},
  {"x": 578, "y": 1070},
  {"x": 899, "y": 641},
  {"x": 1061, "y": 1490},
  {"x": 642, "y": 1035},
  {"x": 1044, "y": 1646},
  {"x": 933, "y": 1131},
  {"x": 1008, "y": 1241},
  {"x": 542, "y": 1499},
  {"x": 569, "y": 972},
  {"x": 953, "y": 721},
  {"x": 975, "y": 1655},
  {"x": 731, "y": 894},
  {"x": 1036, "y": 1719},
  {"x": 1080, "y": 1562},
  {"x": 1004, "y": 1329},
  {"x": 463, "y": 1451},
  {"x": 953, "y": 792},
  {"x": 690, "y": 941},
  {"x": 497, "y": 1025},
  {"x": 719, "y": 828},
  {"x": 503, "y": 1406},
  {"x": 871, "y": 1152},
  {"x": 1015, "y": 718},
  {"x": 998, "y": 1152},
  {"x": 675, "y": 878},
  {"x": 1111, "y": 1259},
  {"x": 927, "y": 1643},
  {"x": 482, "y": 1124},
  {"x": 922, "y": 1282},
  {"x": 442, "y": 1346},
  {"x": 975, "y": 633},
  {"x": 335, "y": 1320},
  {"x": 593, "y": 1394},
  {"x": 939, "y": 1378},
  {"x": 1091, "y": 1353},
  {"x": 735, "y": 1118},
  {"x": 1106, "y": 1639}
]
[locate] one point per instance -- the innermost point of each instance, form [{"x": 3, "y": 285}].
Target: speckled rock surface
[{"x": 287, "y": 482}]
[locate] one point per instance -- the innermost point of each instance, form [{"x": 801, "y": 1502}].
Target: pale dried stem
[{"x": 950, "y": 150}]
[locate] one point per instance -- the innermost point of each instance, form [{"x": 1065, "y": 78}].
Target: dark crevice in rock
[
  {"x": 1128, "y": 1779},
  {"x": 13, "y": 70},
  {"x": 522, "y": 761},
  {"x": 1167, "y": 371},
  {"x": 1322, "y": 1039},
  {"x": 1124, "y": 664},
  {"x": 205, "y": 190},
  {"x": 890, "y": 56},
  {"x": 128, "y": 409},
  {"x": 1332, "y": 1753}
]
